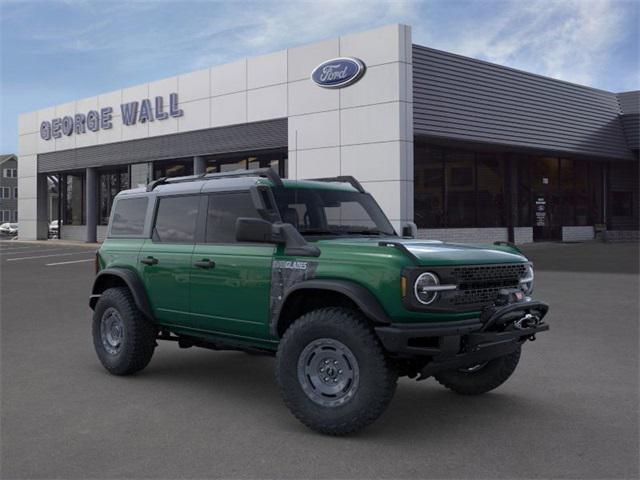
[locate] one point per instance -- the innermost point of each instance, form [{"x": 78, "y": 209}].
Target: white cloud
[{"x": 569, "y": 40}]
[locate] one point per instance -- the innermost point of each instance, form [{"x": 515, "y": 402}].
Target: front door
[
  {"x": 547, "y": 224},
  {"x": 230, "y": 281},
  {"x": 165, "y": 260}
]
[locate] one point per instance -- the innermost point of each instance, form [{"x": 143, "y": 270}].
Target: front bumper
[{"x": 450, "y": 345}]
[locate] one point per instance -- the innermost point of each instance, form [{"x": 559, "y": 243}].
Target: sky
[{"x": 55, "y": 51}]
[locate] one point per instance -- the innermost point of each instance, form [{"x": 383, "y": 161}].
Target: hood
[{"x": 432, "y": 252}]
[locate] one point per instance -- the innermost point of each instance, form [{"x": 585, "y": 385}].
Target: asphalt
[{"x": 569, "y": 411}]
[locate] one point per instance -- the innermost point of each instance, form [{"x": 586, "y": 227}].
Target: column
[
  {"x": 199, "y": 165},
  {"x": 91, "y": 205}
]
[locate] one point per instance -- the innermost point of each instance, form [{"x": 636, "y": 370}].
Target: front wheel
[
  {"x": 332, "y": 372},
  {"x": 480, "y": 378}
]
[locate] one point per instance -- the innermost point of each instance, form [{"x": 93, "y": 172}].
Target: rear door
[
  {"x": 166, "y": 258},
  {"x": 230, "y": 281}
]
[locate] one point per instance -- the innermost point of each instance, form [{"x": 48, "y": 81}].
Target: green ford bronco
[{"x": 313, "y": 272}]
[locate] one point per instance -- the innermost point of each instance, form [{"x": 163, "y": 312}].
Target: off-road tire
[
  {"x": 377, "y": 376},
  {"x": 487, "y": 378},
  {"x": 138, "y": 338}
]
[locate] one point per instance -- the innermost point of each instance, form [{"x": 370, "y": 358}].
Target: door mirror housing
[{"x": 257, "y": 230}]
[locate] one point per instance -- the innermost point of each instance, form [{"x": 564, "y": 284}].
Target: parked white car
[{"x": 9, "y": 228}]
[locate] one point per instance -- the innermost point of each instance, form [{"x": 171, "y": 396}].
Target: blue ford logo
[{"x": 338, "y": 73}]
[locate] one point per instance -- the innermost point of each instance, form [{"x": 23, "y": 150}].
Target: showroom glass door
[{"x": 546, "y": 201}]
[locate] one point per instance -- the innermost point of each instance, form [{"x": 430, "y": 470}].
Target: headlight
[
  {"x": 526, "y": 282},
  {"x": 424, "y": 288}
]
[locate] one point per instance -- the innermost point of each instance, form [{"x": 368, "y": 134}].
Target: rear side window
[
  {"x": 128, "y": 216},
  {"x": 176, "y": 219},
  {"x": 224, "y": 210}
]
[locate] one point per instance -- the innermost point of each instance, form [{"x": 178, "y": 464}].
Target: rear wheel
[
  {"x": 332, "y": 372},
  {"x": 481, "y": 378},
  {"x": 122, "y": 337}
]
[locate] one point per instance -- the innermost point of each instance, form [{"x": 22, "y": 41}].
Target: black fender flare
[
  {"x": 131, "y": 279},
  {"x": 363, "y": 298}
]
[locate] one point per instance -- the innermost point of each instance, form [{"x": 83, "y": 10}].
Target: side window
[
  {"x": 176, "y": 219},
  {"x": 129, "y": 215},
  {"x": 224, "y": 210}
]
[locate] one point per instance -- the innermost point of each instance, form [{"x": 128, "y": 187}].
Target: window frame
[
  {"x": 205, "y": 222},
  {"x": 198, "y": 232},
  {"x": 145, "y": 233}
]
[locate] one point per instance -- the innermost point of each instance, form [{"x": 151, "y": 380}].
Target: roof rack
[
  {"x": 269, "y": 173},
  {"x": 342, "y": 179}
]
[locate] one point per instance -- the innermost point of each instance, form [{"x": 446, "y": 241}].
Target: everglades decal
[{"x": 284, "y": 275}]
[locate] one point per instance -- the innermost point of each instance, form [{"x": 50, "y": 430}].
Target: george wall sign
[
  {"x": 338, "y": 72},
  {"x": 94, "y": 120}
]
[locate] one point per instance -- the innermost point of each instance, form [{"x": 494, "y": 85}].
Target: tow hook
[{"x": 527, "y": 321}]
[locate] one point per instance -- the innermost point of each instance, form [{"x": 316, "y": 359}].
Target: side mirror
[
  {"x": 410, "y": 230},
  {"x": 257, "y": 230},
  {"x": 254, "y": 230}
]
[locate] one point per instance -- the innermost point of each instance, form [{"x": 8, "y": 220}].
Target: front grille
[{"x": 478, "y": 285}]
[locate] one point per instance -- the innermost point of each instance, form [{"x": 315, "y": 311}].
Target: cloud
[{"x": 569, "y": 40}]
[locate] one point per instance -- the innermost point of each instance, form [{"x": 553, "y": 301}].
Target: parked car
[
  {"x": 313, "y": 273},
  {"x": 9, "y": 229}
]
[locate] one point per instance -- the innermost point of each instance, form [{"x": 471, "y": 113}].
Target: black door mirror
[{"x": 254, "y": 230}]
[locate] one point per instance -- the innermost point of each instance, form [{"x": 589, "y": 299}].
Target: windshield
[{"x": 331, "y": 212}]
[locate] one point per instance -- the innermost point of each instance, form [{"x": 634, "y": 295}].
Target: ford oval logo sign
[{"x": 338, "y": 73}]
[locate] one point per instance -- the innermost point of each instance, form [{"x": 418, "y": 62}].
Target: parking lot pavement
[{"x": 569, "y": 411}]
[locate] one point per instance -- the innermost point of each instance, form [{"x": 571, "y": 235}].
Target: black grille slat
[{"x": 478, "y": 285}]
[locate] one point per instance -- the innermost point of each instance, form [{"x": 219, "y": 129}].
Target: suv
[{"x": 314, "y": 273}]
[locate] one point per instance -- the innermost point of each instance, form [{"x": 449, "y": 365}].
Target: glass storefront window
[
  {"x": 173, "y": 168},
  {"x": 109, "y": 185},
  {"x": 229, "y": 163},
  {"x": 429, "y": 187},
  {"x": 460, "y": 188},
  {"x": 491, "y": 199},
  {"x": 73, "y": 191}
]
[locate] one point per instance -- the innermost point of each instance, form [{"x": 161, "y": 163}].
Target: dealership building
[{"x": 468, "y": 150}]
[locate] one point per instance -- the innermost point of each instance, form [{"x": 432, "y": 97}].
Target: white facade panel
[
  {"x": 27, "y": 166},
  {"x": 28, "y": 123},
  {"x": 130, "y": 132},
  {"x": 315, "y": 130},
  {"x": 130, "y": 94},
  {"x": 303, "y": 59},
  {"x": 306, "y": 97},
  {"x": 229, "y": 109},
  {"x": 374, "y": 47},
  {"x": 266, "y": 103},
  {"x": 265, "y": 70},
  {"x": 316, "y": 163},
  {"x": 194, "y": 85},
  {"x": 161, "y": 88},
  {"x": 113, "y": 134},
  {"x": 370, "y": 161},
  {"x": 382, "y": 85},
  {"x": 229, "y": 78},
  {"x": 371, "y": 124},
  {"x": 111, "y": 99},
  {"x": 196, "y": 116},
  {"x": 164, "y": 127},
  {"x": 28, "y": 144}
]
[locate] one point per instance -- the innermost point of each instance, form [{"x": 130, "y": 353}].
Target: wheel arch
[
  {"x": 312, "y": 294},
  {"x": 121, "y": 277}
]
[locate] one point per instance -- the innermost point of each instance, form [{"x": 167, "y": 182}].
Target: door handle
[
  {"x": 204, "y": 263},
  {"x": 149, "y": 261}
]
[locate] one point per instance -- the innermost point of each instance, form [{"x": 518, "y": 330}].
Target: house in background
[{"x": 9, "y": 188}]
